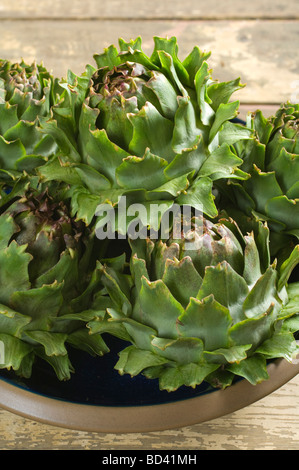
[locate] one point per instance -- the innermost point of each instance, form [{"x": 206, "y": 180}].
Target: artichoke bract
[
  {"x": 49, "y": 274},
  {"x": 207, "y": 307},
  {"x": 26, "y": 93},
  {"x": 153, "y": 128},
  {"x": 272, "y": 160}
]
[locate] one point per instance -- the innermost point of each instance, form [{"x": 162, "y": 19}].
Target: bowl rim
[{"x": 145, "y": 418}]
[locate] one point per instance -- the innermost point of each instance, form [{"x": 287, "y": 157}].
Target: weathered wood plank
[
  {"x": 269, "y": 424},
  {"x": 199, "y": 9},
  {"x": 263, "y": 54}
]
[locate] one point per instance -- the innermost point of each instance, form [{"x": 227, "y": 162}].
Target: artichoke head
[
  {"x": 272, "y": 160},
  {"x": 26, "y": 94},
  {"x": 209, "y": 307},
  {"x": 150, "y": 127},
  {"x": 49, "y": 277}
]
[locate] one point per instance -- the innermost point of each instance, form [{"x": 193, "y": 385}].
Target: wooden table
[
  {"x": 272, "y": 423},
  {"x": 257, "y": 41}
]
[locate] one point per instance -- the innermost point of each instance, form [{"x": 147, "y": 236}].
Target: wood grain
[
  {"x": 266, "y": 58},
  {"x": 272, "y": 423},
  {"x": 143, "y": 9}
]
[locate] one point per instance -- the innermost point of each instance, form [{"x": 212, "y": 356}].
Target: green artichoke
[
  {"x": 272, "y": 159},
  {"x": 26, "y": 93},
  {"x": 49, "y": 278},
  {"x": 154, "y": 129},
  {"x": 207, "y": 307}
]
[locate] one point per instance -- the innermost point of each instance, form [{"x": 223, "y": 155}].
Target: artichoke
[
  {"x": 272, "y": 159},
  {"x": 154, "y": 129},
  {"x": 27, "y": 92},
  {"x": 209, "y": 306},
  {"x": 49, "y": 277}
]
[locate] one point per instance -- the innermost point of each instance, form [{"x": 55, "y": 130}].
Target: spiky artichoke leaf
[
  {"x": 292, "y": 306},
  {"x": 27, "y": 94},
  {"x": 264, "y": 293},
  {"x": 50, "y": 127},
  {"x": 219, "y": 163},
  {"x": 12, "y": 322},
  {"x": 292, "y": 324},
  {"x": 54, "y": 343},
  {"x": 190, "y": 375},
  {"x": 115, "y": 328},
  {"x": 284, "y": 210},
  {"x": 232, "y": 354},
  {"x": 48, "y": 279},
  {"x": 204, "y": 315},
  {"x": 254, "y": 330},
  {"x": 65, "y": 272},
  {"x": 220, "y": 378},
  {"x": 61, "y": 365},
  {"x": 280, "y": 345},
  {"x": 232, "y": 289},
  {"x": 118, "y": 291},
  {"x": 253, "y": 369},
  {"x": 16, "y": 352},
  {"x": 272, "y": 160},
  {"x": 200, "y": 316},
  {"x": 158, "y": 295},
  {"x": 92, "y": 344},
  {"x": 156, "y": 117},
  {"x": 180, "y": 277},
  {"x": 134, "y": 361},
  {"x": 7, "y": 229},
  {"x": 29, "y": 302},
  {"x": 288, "y": 266},
  {"x": 14, "y": 270},
  {"x": 65, "y": 113}
]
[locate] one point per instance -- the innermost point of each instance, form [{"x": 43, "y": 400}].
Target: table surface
[{"x": 257, "y": 41}]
